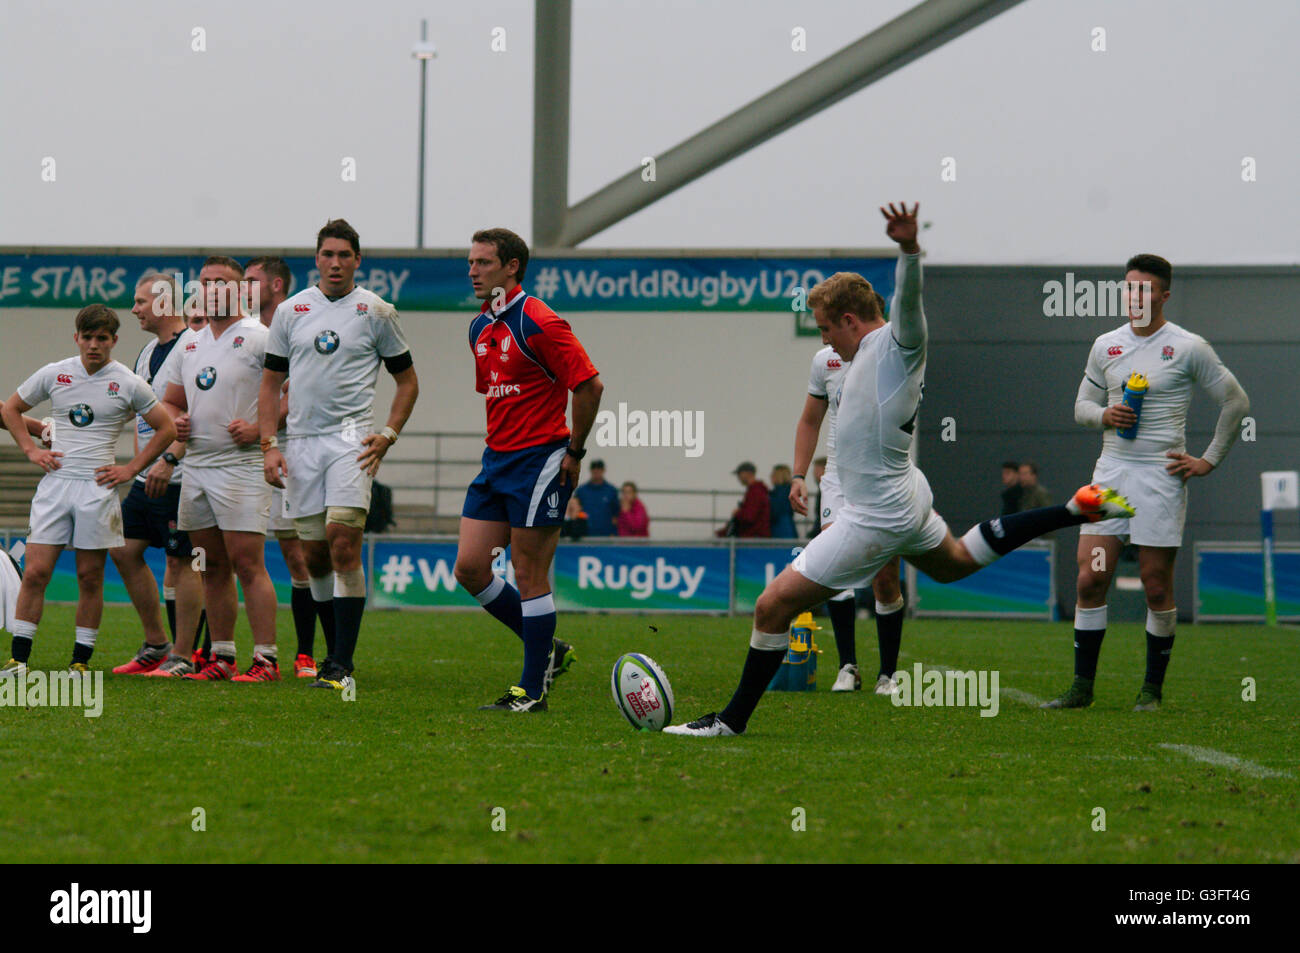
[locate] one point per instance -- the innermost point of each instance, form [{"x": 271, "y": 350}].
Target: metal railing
[{"x": 456, "y": 458}]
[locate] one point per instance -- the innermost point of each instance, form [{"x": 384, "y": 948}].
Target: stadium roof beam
[{"x": 900, "y": 41}]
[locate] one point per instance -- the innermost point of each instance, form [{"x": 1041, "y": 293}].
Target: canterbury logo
[
  {"x": 64, "y": 378},
  {"x": 302, "y": 308},
  {"x": 1114, "y": 351}
]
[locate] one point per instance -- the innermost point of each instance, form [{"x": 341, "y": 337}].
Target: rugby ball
[{"x": 641, "y": 692}]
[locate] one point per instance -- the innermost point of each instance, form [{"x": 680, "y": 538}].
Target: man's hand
[
  {"x": 901, "y": 226},
  {"x": 183, "y": 428},
  {"x": 376, "y": 445},
  {"x": 114, "y": 475},
  {"x": 47, "y": 460},
  {"x": 799, "y": 496},
  {"x": 157, "y": 479},
  {"x": 1185, "y": 465},
  {"x": 241, "y": 431},
  {"x": 274, "y": 467},
  {"x": 570, "y": 470},
  {"x": 1118, "y": 416}
]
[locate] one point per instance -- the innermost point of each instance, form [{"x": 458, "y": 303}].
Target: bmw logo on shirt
[
  {"x": 206, "y": 378},
  {"x": 327, "y": 342},
  {"x": 81, "y": 415}
]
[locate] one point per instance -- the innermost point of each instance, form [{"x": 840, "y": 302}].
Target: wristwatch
[
  {"x": 575, "y": 453},
  {"x": 171, "y": 458}
]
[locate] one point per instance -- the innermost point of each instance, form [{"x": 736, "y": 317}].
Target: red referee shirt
[{"x": 526, "y": 361}]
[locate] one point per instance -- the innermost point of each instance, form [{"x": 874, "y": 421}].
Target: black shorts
[{"x": 155, "y": 519}]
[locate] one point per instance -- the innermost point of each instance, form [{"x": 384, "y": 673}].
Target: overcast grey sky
[{"x": 1063, "y": 154}]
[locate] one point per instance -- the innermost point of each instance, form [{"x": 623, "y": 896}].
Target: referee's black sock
[
  {"x": 843, "y": 614},
  {"x": 761, "y": 665}
]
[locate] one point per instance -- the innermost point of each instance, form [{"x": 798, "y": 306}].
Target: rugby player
[
  {"x": 149, "y": 512},
  {"x": 1151, "y": 468},
  {"x": 269, "y": 279},
  {"x": 94, "y": 398},
  {"x": 527, "y": 360},
  {"x": 213, "y": 381},
  {"x": 329, "y": 341},
  {"x": 888, "y": 507},
  {"x": 825, "y": 379}
]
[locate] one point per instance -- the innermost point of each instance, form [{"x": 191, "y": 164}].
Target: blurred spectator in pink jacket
[{"x": 632, "y": 518}]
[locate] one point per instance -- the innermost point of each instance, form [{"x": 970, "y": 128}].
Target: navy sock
[
  {"x": 20, "y": 648},
  {"x": 502, "y": 601},
  {"x": 171, "y": 618},
  {"x": 304, "y": 618},
  {"x": 1158, "y": 649},
  {"x": 889, "y": 633},
  {"x": 538, "y": 625},
  {"x": 81, "y": 652},
  {"x": 842, "y": 613},
  {"x": 1006, "y": 533},
  {"x": 1087, "y": 647},
  {"x": 761, "y": 665},
  {"x": 207, "y": 633},
  {"x": 325, "y": 612},
  {"x": 347, "y": 628}
]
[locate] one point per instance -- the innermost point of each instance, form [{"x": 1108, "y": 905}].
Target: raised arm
[{"x": 906, "y": 315}]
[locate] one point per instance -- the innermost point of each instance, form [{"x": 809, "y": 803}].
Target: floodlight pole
[{"x": 423, "y": 52}]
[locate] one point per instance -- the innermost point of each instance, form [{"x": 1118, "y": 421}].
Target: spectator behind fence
[
  {"x": 633, "y": 520},
  {"x": 1011, "y": 490},
  {"x": 600, "y": 501},
  {"x": 1032, "y": 495},
  {"x": 753, "y": 517},
  {"x": 782, "y": 514},
  {"x": 574, "y": 526}
]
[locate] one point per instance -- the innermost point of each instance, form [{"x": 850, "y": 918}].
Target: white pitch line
[{"x": 1224, "y": 760}]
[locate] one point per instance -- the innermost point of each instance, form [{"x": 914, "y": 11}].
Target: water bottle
[{"x": 1134, "y": 391}]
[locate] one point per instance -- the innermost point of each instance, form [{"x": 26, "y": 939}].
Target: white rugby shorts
[
  {"x": 80, "y": 513},
  {"x": 1159, "y": 497},
  {"x": 325, "y": 473},
  {"x": 233, "y": 499}
]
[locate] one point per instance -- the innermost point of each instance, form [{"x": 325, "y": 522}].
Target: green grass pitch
[{"x": 410, "y": 771}]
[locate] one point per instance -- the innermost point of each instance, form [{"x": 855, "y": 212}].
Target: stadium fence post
[{"x": 1280, "y": 490}]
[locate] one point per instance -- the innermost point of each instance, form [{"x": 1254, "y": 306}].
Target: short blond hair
[{"x": 845, "y": 292}]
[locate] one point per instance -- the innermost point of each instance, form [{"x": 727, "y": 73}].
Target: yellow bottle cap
[{"x": 1137, "y": 381}]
